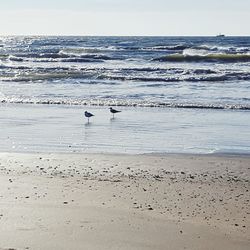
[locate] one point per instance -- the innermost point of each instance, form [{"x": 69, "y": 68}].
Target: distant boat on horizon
[{"x": 220, "y": 35}]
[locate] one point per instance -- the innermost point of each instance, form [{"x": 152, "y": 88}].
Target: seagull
[
  {"x": 88, "y": 115},
  {"x": 113, "y": 111}
]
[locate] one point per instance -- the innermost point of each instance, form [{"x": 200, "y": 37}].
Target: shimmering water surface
[{"x": 177, "y": 94}]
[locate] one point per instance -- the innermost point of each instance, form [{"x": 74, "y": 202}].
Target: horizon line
[{"x": 100, "y": 35}]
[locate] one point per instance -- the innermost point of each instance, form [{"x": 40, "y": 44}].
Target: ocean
[{"x": 176, "y": 94}]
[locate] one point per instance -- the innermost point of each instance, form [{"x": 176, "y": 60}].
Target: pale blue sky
[{"x": 124, "y": 17}]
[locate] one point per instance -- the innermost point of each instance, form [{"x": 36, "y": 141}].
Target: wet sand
[{"x": 112, "y": 201}]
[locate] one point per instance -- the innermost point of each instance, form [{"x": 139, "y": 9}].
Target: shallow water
[{"x": 60, "y": 128}]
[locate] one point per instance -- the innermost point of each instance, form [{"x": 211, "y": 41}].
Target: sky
[{"x": 125, "y": 17}]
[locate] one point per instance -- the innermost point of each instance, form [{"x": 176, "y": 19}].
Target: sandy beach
[{"x": 112, "y": 201}]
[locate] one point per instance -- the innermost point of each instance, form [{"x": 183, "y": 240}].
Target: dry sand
[{"x": 95, "y": 201}]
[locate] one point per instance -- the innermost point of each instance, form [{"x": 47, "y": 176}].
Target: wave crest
[
  {"x": 124, "y": 103},
  {"x": 204, "y": 58}
]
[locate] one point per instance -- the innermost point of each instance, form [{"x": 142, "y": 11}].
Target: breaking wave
[
  {"x": 124, "y": 103},
  {"x": 58, "y": 57},
  {"x": 167, "y": 47},
  {"x": 219, "y": 57},
  {"x": 142, "y": 75}
]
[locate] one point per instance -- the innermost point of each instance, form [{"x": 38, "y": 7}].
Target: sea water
[{"x": 176, "y": 94}]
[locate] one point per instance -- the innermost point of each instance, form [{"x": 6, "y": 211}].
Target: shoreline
[
  {"x": 142, "y": 130},
  {"x": 153, "y": 154},
  {"x": 111, "y": 201}
]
